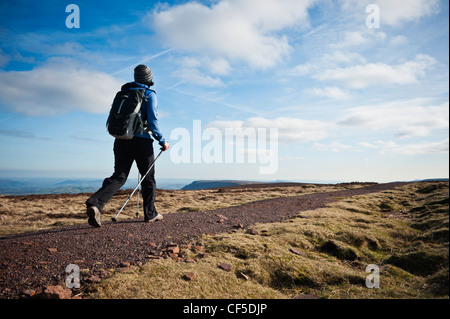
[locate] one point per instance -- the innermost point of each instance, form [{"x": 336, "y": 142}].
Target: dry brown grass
[
  {"x": 19, "y": 214},
  {"x": 404, "y": 232}
]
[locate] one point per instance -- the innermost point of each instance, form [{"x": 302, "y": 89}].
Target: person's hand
[{"x": 166, "y": 146}]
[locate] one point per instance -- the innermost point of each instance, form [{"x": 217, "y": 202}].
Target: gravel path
[{"x": 30, "y": 261}]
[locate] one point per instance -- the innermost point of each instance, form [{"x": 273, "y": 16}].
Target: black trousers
[{"x": 138, "y": 149}]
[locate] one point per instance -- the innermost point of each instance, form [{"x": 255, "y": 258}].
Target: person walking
[{"x": 139, "y": 149}]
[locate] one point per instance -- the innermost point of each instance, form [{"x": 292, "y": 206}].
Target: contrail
[
  {"x": 219, "y": 100},
  {"x": 145, "y": 59}
]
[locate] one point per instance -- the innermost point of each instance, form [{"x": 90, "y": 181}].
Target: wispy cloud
[
  {"x": 290, "y": 130},
  {"x": 334, "y": 93},
  {"x": 20, "y": 134},
  {"x": 333, "y": 146},
  {"x": 391, "y": 147},
  {"x": 195, "y": 76},
  {"x": 4, "y": 58},
  {"x": 376, "y": 74},
  {"x": 364, "y": 37},
  {"x": 219, "y": 101},
  {"x": 141, "y": 61},
  {"x": 408, "y": 118}
]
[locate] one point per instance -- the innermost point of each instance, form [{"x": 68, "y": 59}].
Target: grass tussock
[{"x": 323, "y": 252}]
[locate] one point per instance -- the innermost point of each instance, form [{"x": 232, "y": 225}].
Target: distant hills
[
  {"x": 205, "y": 184},
  {"x": 30, "y": 186},
  {"x": 433, "y": 180},
  {"x": 195, "y": 185},
  {"x": 47, "y": 186}
]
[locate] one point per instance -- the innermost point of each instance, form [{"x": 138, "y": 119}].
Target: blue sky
[{"x": 350, "y": 103}]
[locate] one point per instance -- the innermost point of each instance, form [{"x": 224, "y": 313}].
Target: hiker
[{"x": 139, "y": 148}]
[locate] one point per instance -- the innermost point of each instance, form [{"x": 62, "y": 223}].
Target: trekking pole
[
  {"x": 137, "y": 205},
  {"x": 114, "y": 219}
]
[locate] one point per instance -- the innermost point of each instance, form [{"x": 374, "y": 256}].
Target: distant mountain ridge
[
  {"x": 47, "y": 186},
  {"x": 36, "y": 185},
  {"x": 205, "y": 184},
  {"x": 30, "y": 186},
  {"x": 80, "y": 182}
]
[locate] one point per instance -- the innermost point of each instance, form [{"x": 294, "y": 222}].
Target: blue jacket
[{"x": 149, "y": 112}]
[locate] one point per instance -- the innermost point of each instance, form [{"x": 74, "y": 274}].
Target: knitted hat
[{"x": 143, "y": 74}]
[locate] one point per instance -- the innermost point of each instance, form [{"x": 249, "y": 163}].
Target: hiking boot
[
  {"x": 94, "y": 216},
  {"x": 154, "y": 219}
]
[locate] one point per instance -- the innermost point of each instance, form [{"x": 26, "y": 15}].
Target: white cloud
[
  {"x": 353, "y": 38},
  {"x": 409, "y": 118},
  {"x": 215, "y": 66},
  {"x": 327, "y": 60},
  {"x": 57, "y": 88},
  {"x": 242, "y": 30},
  {"x": 302, "y": 69},
  {"x": 293, "y": 158},
  {"x": 195, "y": 76},
  {"x": 334, "y": 146},
  {"x": 362, "y": 76},
  {"x": 290, "y": 130},
  {"x": 395, "y": 12},
  {"x": 219, "y": 66},
  {"x": 343, "y": 57},
  {"x": 424, "y": 148},
  {"x": 222, "y": 125},
  {"x": 384, "y": 147},
  {"x": 334, "y": 93},
  {"x": 359, "y": 38},
  {"x": 196, "y": 71},
  {"x": 398, "y": 40}
]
